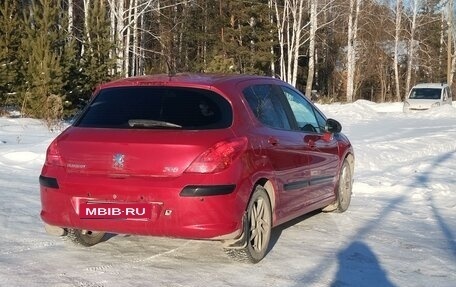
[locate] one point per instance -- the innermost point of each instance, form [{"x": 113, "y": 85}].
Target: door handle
[
  {"x": 310, "y": 141},
  {"x": 311, "y": 144},
  {"x": 273, "y": 141}
]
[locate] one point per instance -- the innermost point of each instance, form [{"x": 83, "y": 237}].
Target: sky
[{"x": 400, "y": 229}]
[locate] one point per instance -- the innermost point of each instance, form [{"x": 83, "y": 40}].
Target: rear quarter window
[{"x": 157, "y": 107}]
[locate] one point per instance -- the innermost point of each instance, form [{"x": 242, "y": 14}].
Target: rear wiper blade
[{"x": 151, "y": 124}]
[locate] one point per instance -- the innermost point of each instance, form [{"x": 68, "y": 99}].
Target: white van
[{"x": 427, "y": 95}]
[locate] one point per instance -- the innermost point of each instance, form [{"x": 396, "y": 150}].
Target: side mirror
[{"x": 333, "y": 126}]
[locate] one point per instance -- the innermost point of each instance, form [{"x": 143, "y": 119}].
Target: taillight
[
  {"x": 53, "y": 156},
  {"x": 218, "y": 157}
]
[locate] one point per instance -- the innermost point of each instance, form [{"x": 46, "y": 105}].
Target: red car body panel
[{"x": 302, "y": 169}]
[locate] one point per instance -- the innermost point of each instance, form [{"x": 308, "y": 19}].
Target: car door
[
  {"x": 320, "y": 146},
  {"x": 283, "y": 147}
]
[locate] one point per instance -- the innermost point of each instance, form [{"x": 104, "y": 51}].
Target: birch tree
[
  {"x": 86, "y": 4},
  {"x": 289, "y": 28},
  {"x": 451, "y": 58},
  {"x": 120, "y": 26},
  {"x": 271, "y": 20},
  {"x": 397, "y": 39},
  {"x": 352, "y": 46},
  {"x": 117, "y": 8},
  {"x": 70, "y": 18},
  {"x": 453, "y": 62},
  {"x": 128, "y": 28},
  {"x": 312, "y": 36},
  {"x": 411, "y": 45},
  {"x": 128, "y": 31}
]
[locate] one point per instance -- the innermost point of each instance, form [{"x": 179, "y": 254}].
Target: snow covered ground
[{"x": 400, "y": 229}]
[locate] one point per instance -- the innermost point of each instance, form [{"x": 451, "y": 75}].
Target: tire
[
  {"x": 344, "y": 190},
  {"x": 258, "y": 229},
  {"x": 85, "y": 238}
]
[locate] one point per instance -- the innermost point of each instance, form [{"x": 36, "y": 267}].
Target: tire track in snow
[
  {"x": 35, "y": 246},
  {"x": 77, "y": 282},
  {"x": 131, "y": 262}
]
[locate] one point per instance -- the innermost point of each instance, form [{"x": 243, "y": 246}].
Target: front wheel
[
  {"x": 85, "y": 237},
  {"x": 258, "y": 229},
  {"x": 344, "y": 190}
]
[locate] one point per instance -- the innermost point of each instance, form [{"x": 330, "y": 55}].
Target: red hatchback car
[{"x": 217, "y": 157}]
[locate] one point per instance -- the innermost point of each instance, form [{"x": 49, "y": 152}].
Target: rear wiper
[{"x": 151, "y": 124}]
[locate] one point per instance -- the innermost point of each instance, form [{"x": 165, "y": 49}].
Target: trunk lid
[{"x": 130, "y": 152}]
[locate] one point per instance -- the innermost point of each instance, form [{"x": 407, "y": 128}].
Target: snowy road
[{"x": 400, "y": 229}]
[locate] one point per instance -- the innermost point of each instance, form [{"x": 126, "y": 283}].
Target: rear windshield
[
  {"x": 425, "y": 93},
  {"x": 157, "y": 108}
]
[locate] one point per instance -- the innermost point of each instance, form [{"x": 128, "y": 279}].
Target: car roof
[
  {"x": 184, "y": 79},
  {"x": 431, "y": 85}
]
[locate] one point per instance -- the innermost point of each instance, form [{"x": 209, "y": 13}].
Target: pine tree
[
  {"x": 74, "y": 87},
  {"x": 248, "y": 37},
  {"x": 9, "y": 43},
  {"x": 202, "y": 32},
  {"x": 41, "y": 50},
  {"x": 95, "y": 65}
]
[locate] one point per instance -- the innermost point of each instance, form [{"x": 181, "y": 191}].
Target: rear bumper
[{"x": 172, "y": 214}]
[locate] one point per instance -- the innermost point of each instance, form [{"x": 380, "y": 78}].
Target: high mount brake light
[
  {"x": 219, "y": 157},
  {"x": 53, "y": 156}
]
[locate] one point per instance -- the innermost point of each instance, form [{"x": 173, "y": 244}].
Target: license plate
[{"x": 91, "y": 210}]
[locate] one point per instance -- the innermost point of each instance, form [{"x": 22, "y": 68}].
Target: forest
[{"x": 53, "y": 53}]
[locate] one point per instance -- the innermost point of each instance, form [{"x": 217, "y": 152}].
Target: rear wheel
[
  {"x": 258, "y": 229},
  {"x": 85, "y": 237},
  {"x": 344, "y": 190}
]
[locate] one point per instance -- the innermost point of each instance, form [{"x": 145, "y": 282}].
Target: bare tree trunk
[
  {"x": 112, "y": 32},
  {"x": 175, "y": 42},
  {"x": 204, "y": 51},
  {"x": 126, "y": 60},
  {"x": 289, "y": 29},
  {"x": 222, "y": 31},
  {"x": 142, "y": 48},
  {"x": 120, "y": 36},
  {"x": 297, "y": 12},
  {"x": 451, "y": 64},
  {"x": 442, "y": 43},
  {"x": 70, "y": 18},
  {"x": 87, "y": 41},
  {"x": 180, "y": 50},
  {"x": 281, "y": 36},
  {"x": 271, "y": 19},
  {"x": 316, "y": 75},
  {"x": 411, "y": 51},
  {"x": 397, "y": 40},
  {"x": 382, "y": 83},
  {"x": 351, "y": 47},
  {"x": 312, "y": 32},
  {"x": 134, "y": 49}
]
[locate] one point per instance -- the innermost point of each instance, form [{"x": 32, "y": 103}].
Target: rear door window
[
  {"x": 157, "y": 107},
  {"x": 266, "y": 105}
]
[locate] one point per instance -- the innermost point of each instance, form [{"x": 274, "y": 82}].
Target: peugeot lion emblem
[{"x": 118, "y": 160}]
